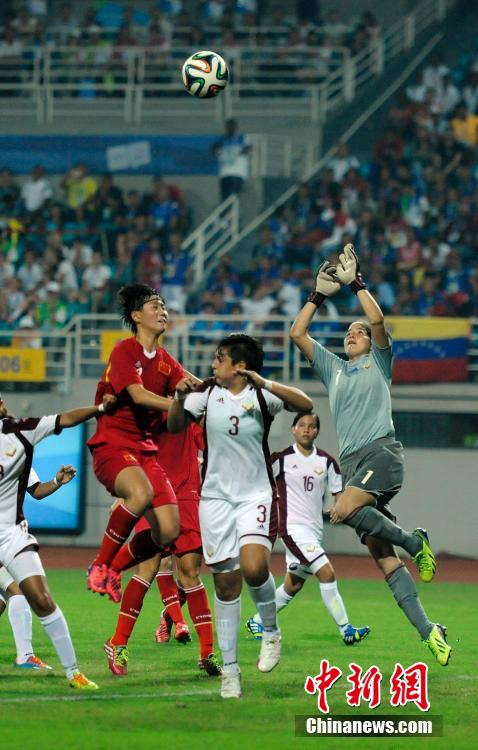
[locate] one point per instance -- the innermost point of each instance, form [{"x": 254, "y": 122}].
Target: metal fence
[
  {"x": 143, "y": 84},
  {"x": 78, "y": 350}
]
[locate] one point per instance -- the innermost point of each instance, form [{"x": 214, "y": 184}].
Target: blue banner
[{"x": 118, "y": 154}]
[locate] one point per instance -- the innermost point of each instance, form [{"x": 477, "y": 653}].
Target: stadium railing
[
  {"x": 206, "y": 241},
  {"x": 81, "y": 349},
  {"x": 295, "y": 81}
]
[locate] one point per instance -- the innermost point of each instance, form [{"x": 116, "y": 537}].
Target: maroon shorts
[
  {"x": 109, "y": 461},
  {"x": 189, "y": 539}
]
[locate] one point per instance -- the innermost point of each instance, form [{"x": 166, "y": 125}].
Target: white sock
[
  {"x": 335, "y": 604},
  {"x": 282, "y": 600},
  {"x": 264, "y": 597},
  {"x": 20, "y": 616},
  {"x": 227, "y": 616},
  {"x": 57, "y": 631}
]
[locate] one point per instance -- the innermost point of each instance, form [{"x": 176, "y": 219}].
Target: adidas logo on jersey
[{"x": 220, "y": 400}]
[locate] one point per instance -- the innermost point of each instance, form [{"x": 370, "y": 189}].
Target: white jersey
[
  {"x": 301, "y": 482},
  {"x": 17, "y": 438},
  {"x": 236, "y": 458}
]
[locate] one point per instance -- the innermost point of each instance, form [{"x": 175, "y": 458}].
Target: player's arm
[
  {"x": 77, "y": 416},
  {"x": 293, "y": 398},
  {"x": 348, "y": 271},
  {"x": 42, "y": 489},
  {"x": 178, "y": 418},
  {"x": 326, "y": 284},
  {"x": 149, "y": 400}
]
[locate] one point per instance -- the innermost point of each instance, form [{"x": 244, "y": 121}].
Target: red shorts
[
  {"x": 189, "y": 539},
  {"x": 109, "y": 461}
]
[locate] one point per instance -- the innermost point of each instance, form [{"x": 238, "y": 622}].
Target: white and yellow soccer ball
[{"x": 205, "y": 74}]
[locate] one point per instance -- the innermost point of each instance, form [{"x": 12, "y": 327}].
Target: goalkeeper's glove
[
  {"x": 326, "y": 283},
  {"x": 348, "y": 269}
]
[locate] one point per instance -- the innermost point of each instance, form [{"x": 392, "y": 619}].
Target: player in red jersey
[
  {"x": 141, "y": 374},
  {"x": 178, "y": 454}
]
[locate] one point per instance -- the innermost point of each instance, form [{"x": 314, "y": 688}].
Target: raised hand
[
  {"x": 186, "y": 385},
  {"x": 326, "y": 282},
  {"x": 65, "y": 474},
  {"x": 348, "y": 269}
]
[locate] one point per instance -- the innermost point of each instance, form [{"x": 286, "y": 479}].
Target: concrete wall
[{"x": 439, "y": 490}]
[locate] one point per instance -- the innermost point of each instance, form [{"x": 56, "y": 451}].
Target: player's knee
[
  {"x": 170, "y": 533},
  {"x": 255, "y": 572},
  {"x": 41, "y": 603}
]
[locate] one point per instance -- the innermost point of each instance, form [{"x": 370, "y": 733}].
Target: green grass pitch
[{"x": 165, "y": 702}]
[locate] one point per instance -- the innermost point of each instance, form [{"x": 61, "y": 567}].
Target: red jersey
[
  {"x": 130, "y": 426},
  {"x": 178, "y": 456}
]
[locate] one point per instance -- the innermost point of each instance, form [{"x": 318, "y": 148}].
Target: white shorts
[
  {"x": 304, "y": 552},
  {"x": 13, "y": 540},
  {"x": 226, "y": 526}
]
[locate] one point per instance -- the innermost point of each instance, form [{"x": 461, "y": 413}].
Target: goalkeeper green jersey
[{"x": 359, "y": 395}]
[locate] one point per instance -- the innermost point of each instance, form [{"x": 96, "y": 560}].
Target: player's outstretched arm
[
  {"x": 64, "y": 475},
  {"x": 178, "y": 419},
  {"x": 348, "y": 272},
  {"x": 326, "y": 284},
  {"x": 142, "y": 397},
  {"x": 77, "y": 416},
  {"x": 294, "y": 398}
]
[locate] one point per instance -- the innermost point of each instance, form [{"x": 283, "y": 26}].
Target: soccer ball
[{"x": 205, "y": 74}]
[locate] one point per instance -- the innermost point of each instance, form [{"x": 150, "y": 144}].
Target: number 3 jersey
[
  {"x": 301, "y": 482},
  {"x": 236, "y": 457}
]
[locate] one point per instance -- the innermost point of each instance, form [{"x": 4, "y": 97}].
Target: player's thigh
[
  {"x": 378, "y": 469},
  {"x": 220, "y": 540},
  {"x": 254, "y": 520},
  {"x": 132, "y": 484}
]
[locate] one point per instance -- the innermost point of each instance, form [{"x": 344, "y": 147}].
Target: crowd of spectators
[
  {"x": 410, "y": 209},
  {"x": 67, "y": 251},
  {"x": 99, "y": 45}
]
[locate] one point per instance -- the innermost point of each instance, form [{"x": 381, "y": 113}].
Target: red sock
[
  {"x": 131, "y": 605},
  {"x": 198, "y": 605},
  {"x": 182, "y": 595},
  {"x": 140, "y": 548},
  {"x": 117, "y": 531},
  {"x": 170, "y": 595}
]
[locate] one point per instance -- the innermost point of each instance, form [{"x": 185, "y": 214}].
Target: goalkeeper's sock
[
  {"x": 405, "y": 592},
  {"x": 370, "y": 521}
]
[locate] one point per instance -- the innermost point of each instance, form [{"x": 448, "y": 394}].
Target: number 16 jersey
[
  {"x": 301, "y": 482},
  {"x": 236, "y": 457}
]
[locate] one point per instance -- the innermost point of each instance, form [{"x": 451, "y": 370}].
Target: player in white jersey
[
  {"x": 18, "y": 548},
  {"x": 19, "y": 613},
  {"x": 237, "y": 513},
  {"x": 303, "y": 472}
]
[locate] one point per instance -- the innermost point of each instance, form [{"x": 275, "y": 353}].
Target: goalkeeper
[{"x": 371, "y": 458}]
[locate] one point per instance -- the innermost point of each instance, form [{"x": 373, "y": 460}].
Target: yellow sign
[
  {"x": 108, "y": 341},
  {"x": 22, "y": 364}
]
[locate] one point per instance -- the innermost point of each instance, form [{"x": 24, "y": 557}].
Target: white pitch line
[{"x": 105, "y": 697}]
